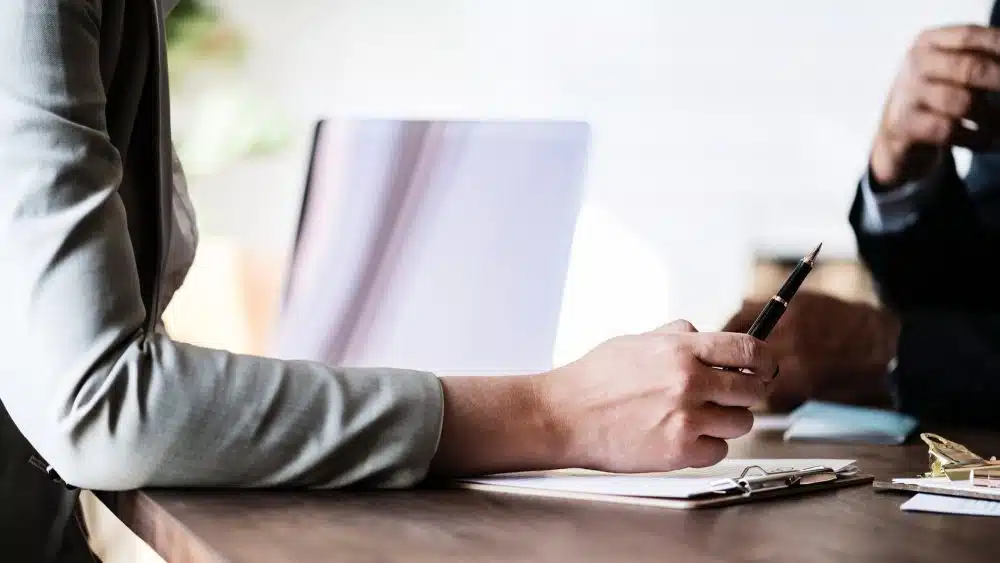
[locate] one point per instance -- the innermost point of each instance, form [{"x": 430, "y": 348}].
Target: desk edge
[{"x": 167, "y": 536}]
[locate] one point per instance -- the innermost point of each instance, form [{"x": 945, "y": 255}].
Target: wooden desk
[{"x": 849, "y": 525}]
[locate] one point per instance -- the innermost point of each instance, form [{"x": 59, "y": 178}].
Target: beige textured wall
[
  {"x": 229, "y": 299},
  {"x": 845, "y": 279}
]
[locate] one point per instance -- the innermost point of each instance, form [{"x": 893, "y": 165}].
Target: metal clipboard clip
[
  {"x": 755, "y": 478},
  {"x": 986, "y": 476},
  {"x": 958, "y": 463}
]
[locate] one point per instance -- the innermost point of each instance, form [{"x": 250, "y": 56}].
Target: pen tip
[{"x": 812, "y": 255}]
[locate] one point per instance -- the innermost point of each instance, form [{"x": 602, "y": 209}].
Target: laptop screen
[{"x": 437, "y": 245}]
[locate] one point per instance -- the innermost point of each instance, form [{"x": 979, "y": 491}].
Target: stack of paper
[
  {"x": 947, "y": 486},
  {"x": 670, "y": 489},
  {"x": 952, "y": 505},
  {"x": 953, "y": 497}
]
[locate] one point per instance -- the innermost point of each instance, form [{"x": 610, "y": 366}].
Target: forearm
[
  {"x": 497, "y": 424},
  {"x": 165, "y": 414}
]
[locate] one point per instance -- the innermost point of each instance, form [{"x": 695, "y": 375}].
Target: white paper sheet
[
  {"x": 771, "y": 422},
  {"x": 952, "y": 505},
  {"x": 684, "y": 483},
  {"x": 945, "y": 483}
]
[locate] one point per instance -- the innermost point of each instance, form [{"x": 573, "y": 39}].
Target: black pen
[{"x": 777, "y": 304}]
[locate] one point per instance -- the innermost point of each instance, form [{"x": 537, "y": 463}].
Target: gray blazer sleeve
[{"x": 112, "y": 407}]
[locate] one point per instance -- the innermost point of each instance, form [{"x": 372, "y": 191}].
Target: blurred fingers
[{"x": 707, "y": 451}]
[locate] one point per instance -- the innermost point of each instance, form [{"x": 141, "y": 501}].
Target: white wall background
[{"x": 721, "y": 127}]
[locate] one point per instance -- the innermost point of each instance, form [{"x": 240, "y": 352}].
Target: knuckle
[
  {"x": 672, "y": 349},
  {"x": 678, "y": 326},
  {"x": 972, "y": 70},
  {"x": 940, "y": 130},
  {"x": 923, "y": 43},
  {"x": 670, "y": 342},
  {"x": 961, "y": 102},
  {"x": 916, "y": 65},
  {"x": 687, "y": 380},
  {"x": 675, "y": 347},
  {"x": 685, "y": 423},
  {"x": 915, "y": 54},
  {"x": 965, "y": 36},
  {"x": 922, "y": 40},
  {"x": 684, "y": 325},
  {"x": 904, "y": 107},
  {"x": 750, "y": 350}
]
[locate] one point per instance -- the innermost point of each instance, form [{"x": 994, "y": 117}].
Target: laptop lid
[{"x": 437, "y": 245}]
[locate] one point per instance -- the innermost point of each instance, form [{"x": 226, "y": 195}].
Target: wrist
[
  {"x": 895, "y": 163},
  {"x": 550, "y": 411},
  {"x": 883, "y": 170},
  {"x": 499, "y": 424}
]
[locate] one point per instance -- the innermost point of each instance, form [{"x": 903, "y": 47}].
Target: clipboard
[
  {"x": 890, "y": 487},
  {"x": 955, "y": 471},
  {"x": 755, "y": 484}
]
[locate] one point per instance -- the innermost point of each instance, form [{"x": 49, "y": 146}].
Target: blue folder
[{"x": 831, "y": 422}]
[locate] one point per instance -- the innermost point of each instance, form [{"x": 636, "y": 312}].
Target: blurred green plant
[
  {"x": 197, "y": 34},
  {"x": 186, "y": 11},
  {"x": 228, "y": 120}
]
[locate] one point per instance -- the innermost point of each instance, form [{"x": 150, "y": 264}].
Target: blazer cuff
[
  {"x": 896, "y": 210},
  {"x": 417, "y": 433}
]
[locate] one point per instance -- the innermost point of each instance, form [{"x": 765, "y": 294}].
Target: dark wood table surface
[{"x": 847, "y": 525}]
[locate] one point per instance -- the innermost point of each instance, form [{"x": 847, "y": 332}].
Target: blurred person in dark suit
[{"x": 929, "y": 237}]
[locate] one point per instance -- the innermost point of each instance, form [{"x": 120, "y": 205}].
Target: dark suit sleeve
[
  {"x": 936, "y": 275},
  {"x": 938, "y": 261},
  {"x": 948, "y": 368}
]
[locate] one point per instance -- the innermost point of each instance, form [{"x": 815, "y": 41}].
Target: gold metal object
[
  {"x": 958, "y": 463},
  {"x": 985, "y": 476}
]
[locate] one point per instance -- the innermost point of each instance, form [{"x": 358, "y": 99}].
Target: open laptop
[{"x": 437, "y": 245}]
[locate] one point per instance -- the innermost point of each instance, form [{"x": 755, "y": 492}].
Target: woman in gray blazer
[{"x": 96, "y": 233}]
